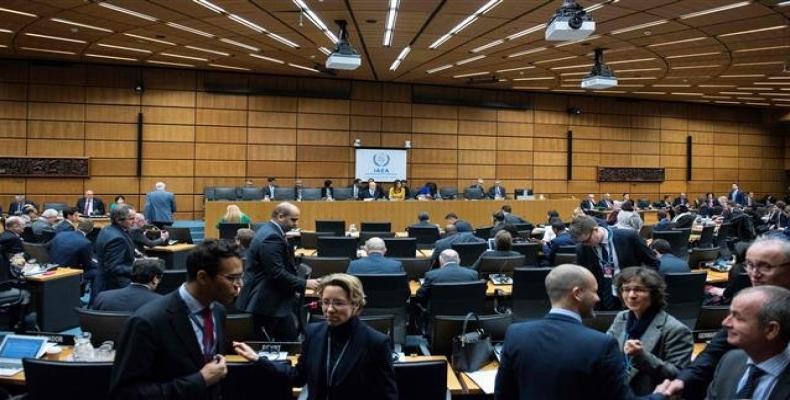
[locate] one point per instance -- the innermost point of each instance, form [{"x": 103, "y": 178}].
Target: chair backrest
[
  {"x": 530, "y": 251},
  {"x": 384, "y": 323},
  {"x": 64, "y": 380},
  {"x": 700, "y": 256},
  {"x": 706, "y": 237},
  {"x": 415, "y": 267},
  {"x": 364, "y": 236},
  {"x": 646, "y": 231},
  {"x": 375, "y": 226},
  {"x": 445, "y": 298},
  {"x": 564, "y": 258},
  {"x": 524, "y": 226},
  {"x": 323, "y": 266},
  {"x": 182, "y": 235},
  {"x": 29, "y": 236},
  {"x": 483, "y": 232},
  {"x": 335, "y": 226},
  {"x": 336, "y": 246},
  {"x": 309, "y": 240},
  {"x": 284, "y": 194},
  {"x": 445, "y": 327},
  {"x": 709, "y": 321},
  {"x": 171, "y": 280},
  {"x": 530, "y": 300},
  {"x": 401, "y": 247},
  {"x": 473, "y": 193},
  {"x": 601, "y": 321},
  {"x": 225, "y": 193},
  {"x": 678, "y": 239},
  {"x": 39, "y": 251},
  {"x": 385, "y": 290},
  {"x": 228, "y": 230},
  {"x": 499, "y": 265},
  {"x": 311, "y": 194},
  {"x": 46, "y": 235},
  {"x": 245, "y": 378},
  {"x": 238, "y": 327},
  {"x": 469, "y": 252},
  {"x": 103, "y": 325},
  {"x": 424, "y": 380},
  {"x": 685, "y": 293},
  {"x": 427, "y": 235},
  {"x": 251, "y": 193},
  {"x": 342, "y": 193},
  {"x": 59, "y": 207},
  {"x": 449, "y": 193}
]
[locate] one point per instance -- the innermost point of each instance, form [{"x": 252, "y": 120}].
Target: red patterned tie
[{"x": 208, "y": 334}]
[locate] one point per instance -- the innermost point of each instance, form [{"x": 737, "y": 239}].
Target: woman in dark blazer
[
  {"x": 327, "y": 192},
  {"x": 655, "y": 344},
  {"x": 342, "y": 358}
]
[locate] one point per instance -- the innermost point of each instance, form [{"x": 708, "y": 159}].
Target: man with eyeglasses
[
  {"x": 172, "y": 347},
  {"x": 272, "y": 283},
  {"x": 767, "y": 263},
  {"x": 114, "y": 252}
]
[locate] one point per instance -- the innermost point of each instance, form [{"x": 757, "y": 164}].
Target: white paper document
[{"x": 484, "y": 379}]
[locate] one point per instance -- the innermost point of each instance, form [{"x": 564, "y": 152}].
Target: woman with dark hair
[
  {"x": 327, "y": 192},
  {"x": 655, "y": 344},
  {"x": 119, "y": 199},
  {"x": 397, "y": 192},
  {"x": 342, "y": 358},
  {"x": 429, "y": 191}
]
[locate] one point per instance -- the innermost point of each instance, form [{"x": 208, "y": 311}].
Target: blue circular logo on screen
[{"x": 381, "y": 159}]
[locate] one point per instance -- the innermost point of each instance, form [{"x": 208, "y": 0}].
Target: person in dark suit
[
  {"x": 760, "y": 367},
  {"x": 71, "y": 217},
  {"x": 606, "y": 202},
  {"x": 606, "y": 251},
  {"x": 450, "y": 271},
  {"x": 18, "y": 205},
  {"x": 561, "y": 238},
  {"x": 11, "y": 238},
  {"x": 663, "y": 224},
  {"x": 668, "y": 263},
  {"x": 114, "y": 252},
  {"x": 271, "y": 280},
  {"x": 375, "y": 262},
  {"x": 146, "y": 275},
  {"x": 460, "y": 232},
  {"x": 356, "y": 188},
  {"x": 160, "y": 206},
  {"x": 327, "y": 192},
  {"x": 90, "y": 205},
  {"x": 138, "y": 234},
  {"x": 497, "y": 191},
  {"x": 423, "y": 220},
  {"x": 73, "y": 249},
  {"x": 557, "y": 357},
  {"x": 342, "y": 358},
  {"x": 680, "y": 201},
  {"x": 173, "y": 346},
  {"x": 498, "y": 219},
  {"x": 766, "y": 264},
  {"x": 504, "y": 244},
  {"x": 736, "y": 195},
  {"x": 373, "y": 191},
  {"x": 270, "y": 190},
  {"x": 588, "y": 203},
  {"x": 511, "y": 218}
]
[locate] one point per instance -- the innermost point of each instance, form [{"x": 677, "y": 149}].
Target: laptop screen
[{"x": 21, "y": 347}]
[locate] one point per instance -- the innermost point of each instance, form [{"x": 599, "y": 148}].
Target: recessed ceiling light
[
  {"x": 772, "y": 83},
  {"x": 686, "y": 94},
  {"x": 247, "y": 23},
  {"x": 62, "y": 39},
  {"x": 717, "y": 97},
  {"x": 437, "y": 69},
  {"x": 774, "y": 94},
  {"x": 736, "y": 93},
  {"x": 270, "y": 59},
  {"x": 751, "y": 49},
  {"x": 750, "y": 98},
  {"x": 38, "y": 49},
  {"x": 630, "y": 61},
  {"x": 316, "y": 20},
  {"x": 742, "y": 76},
  {"x": 757, "y": 104},
  {"x": 229, "y": 67},
  {"x": 110, "y": 57},
  {"x": 465, "y": 22},
  {"x": 670, "y": 85},
  {"x": 531, "y": 87},
  {"x": 303, "y": 67},
  {"x": 324, "y": 50},
  {"x": 572, "y": 66},
  {"x": 68, "y": 22},
  {"x": 630, "y": 85},
  {"x": 727, "y": 102},
  {"x": 282, "y": 40},
  {"x": 471, "y": 74},
  {"x": 6, "y": 31},
  {"x": 779, "y": 77},
  {"x": 636, "y": 70},
  {"x": 697, "y": 66},
  {"x": 650, "y": 93},
  {"x": 135, "y": 49},
  {"x": 535, "y": 78},
  {"x": 754, "y": 88},
  {"x": 694, "y": 39},
  {"x": 535, "y": 28},
  {"x": 713, "y": 53},
  {"x": 211, "y": 6},
  {"x": 609, "y": 91},
  {"x": 183, "y": 56},
  {"x": 128, "y": 12},
  {"x": 151, "y": 39},
  {"x": 8, "y": 10},
  {"x": 554, "y": 60},
  {"x": 405, "y": 52},
  {"x": 525, "y": 52},
  {"x": 715, "y": 10},
  {"x": 638, "y": 27},
  {"x": 753, "y": 64},
  {"x": 219, "y": 53},
  {"x": 392, "y": 17},
  {"x": 516, "y": 69},
  {"x": 175, "y": 64},
  {"x": 716, "y": 86},
  {"x": 636, "y": 78},
  {"x": 574, "y": 73},
  {"x": 470, "y": 59},
  {"x": 188, "y": 29},
  {"x": 569, "y": 90},
  {"x": 770, "y": 28},
  {"x": 487, "y": 46},
  {"x": 239, "y": 44}
]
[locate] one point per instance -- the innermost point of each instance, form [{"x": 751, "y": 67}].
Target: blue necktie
[{"x": 747, "y": 391}]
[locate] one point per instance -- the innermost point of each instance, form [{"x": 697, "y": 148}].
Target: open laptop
[{"x": 16, "y": 347}]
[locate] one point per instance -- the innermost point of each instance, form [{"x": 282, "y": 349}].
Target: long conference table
[{"x": 400, "y": 213}]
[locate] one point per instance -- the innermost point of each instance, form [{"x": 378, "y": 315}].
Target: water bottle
[{"x": 83, "y": 349}]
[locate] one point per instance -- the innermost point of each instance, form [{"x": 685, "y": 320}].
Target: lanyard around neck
[{"x": 330, "y": 373}]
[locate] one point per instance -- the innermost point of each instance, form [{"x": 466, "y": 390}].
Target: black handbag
[{"x": 472, "y": 350}]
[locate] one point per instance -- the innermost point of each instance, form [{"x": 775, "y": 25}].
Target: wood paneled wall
[{"x": 194, "y": 139}]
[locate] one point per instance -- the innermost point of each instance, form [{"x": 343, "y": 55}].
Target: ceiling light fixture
[
  {"x": 736, "y": 93},
  {"x": 62, "y": 39},
  {"x": 535, "y": 78},
  {"x": 437, "y": 69},
  {"x": 742, "y": 76},
  {"x": 571, "y": 66},
  {"x": 686, "y": 94},
  {"x": 715, "y": 10},
  {"x": 637, "y": 78},
  {"x": 531, "y": 87},
  {"x": 151, "y": 39},
  {"x": 6, "y": 31},
  {"x": 68, "y": 22},
  {"x": 403, "y": 53},
  {"x": 670, "y": 85},
  {"x": 470, "y": 59},
  {"x": 128, "y": 12},
  {"x": 752, "y": 64},
  {"x": 631, "y": 61},
  {"x": 751, "y": 49},
  {"x": 487, "y": 46},
  {"x": 175, "y": 64},
  {"x": 525, "y": 32},
  {"x": 697, "y": 66},
  {"x": 135, "y": 49},
  {"x": 779, "y": 77},
  {"x": 471, "y": 74},
  {"x": 8, "y": 10},
  {"x": 270, "y": 59},
  {"x": 694, "y": 39},
  {"x": 219, "y": 53},
  {"x": 713, "y": 53},
  {"x": 110, "y": 57},
  {"x": 303, "y": 67},
  {"x": 638, "y": 27},
  {"x": 770, "y": 28},
  {"x": 325, "y": 50},
  {"x": 554, "y": 60},
  {"x": 249, "y": 24},
  {"x": 183, "y": 56},
  {"x": 464, "y": 23},
  {"x": 637, "y": 70},
  {"x": 229, "y": 67},
  {"x": 392, "y": 16},
  {"x": 211, "y": 6},
  {"x": 188, "y": 29},
  {"x": 308, "y": 12},
  {"x": 650, "y": 93},
  {"x": 239, "y": 44},
  {"x": 716, "y": 86},
  {"x": 515, "y": 69},
  {"x": 525, "y": 52},
  {"x": 40, "y": 50}
]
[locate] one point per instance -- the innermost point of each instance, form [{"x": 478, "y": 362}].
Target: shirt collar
[
  {"x": 774, "y": 365},
  {"x": 192, "y": 303},
  {"x": 605, "y": 240},
  {"x": 565, "y": 312}
]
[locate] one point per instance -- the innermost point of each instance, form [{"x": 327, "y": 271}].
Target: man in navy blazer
[
  {"x": 375, "y": 262},
  {"x": 373, "y": 191},
  {"x": 146, "y": 275},
  {"x": 18, "y": 206},
  {"x": 71, "y": 217},
  {"x": 557, "y": 357},
  {"x": 561, "y": 238},
  {"x": 114, "y": 252},
  {"x": 160, "y": 206},
  {"x": 450, "y": 271},
  {"x": 668, "y": 262},
  {"x": 736, "y": 195},
  {"x": 73, "y": 249}
]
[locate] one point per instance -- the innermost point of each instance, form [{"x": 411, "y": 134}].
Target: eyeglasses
[
  {"x": 334, "y": 303},
  {"x": 234, "y": 279},
  {"x": 762, "y": 267},
  {"x": 635, "y": 289}
]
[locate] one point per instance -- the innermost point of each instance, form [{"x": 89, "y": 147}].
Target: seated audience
[
  {"x": 90, "y": 205},
  {"x": 504, "y": 244},
  {"x": 683, "y": 217},
  {"x": 428, "y": 192},
  {"x": 479, "y": 184},
  {"x": 655, "y": 344},
  {"x": 588, "y": 203},
  {"x": 627, "y": 218},
  {"x": 561, "y": 238},
  {"x": 46, "y": 222},
  {"x": 244, "y": 237},
  {"x": 146, "y": 275},
  {"x": 424, "y": 220},
  {"x": 356, "y": 188},
  {"x": 497, "y": 191},
  {"x": 498, "y": 219},
  {"x": 548, "y": 233},
  {"x": 449, "y": 271},
  {"x": 606, "y": 202},
  {"x": 73, "y": 249},
  {"x": 327, "y": 192},
  {"x": 663, "y": 224},
  {"x": 680, "y": 201},
  {"x": 11, "y": 238},
  {"x": 511, "y": 218},
  {"x": 233, "y": 215},
  {"x": 373, "y": 191},
  {"x": 119, "y": 200},
  {"x": 375, "y": 262},
  {"x": 397, "y": 192},
  {"x": 668, "y": 262},
  {"x": 464, "y": 233},
  {"x": 70, "y": 218},
  {"x": 451, "y": 218},
  {"x": 17, "y": 207},
  {"x": 405, "y": 184},
  {"x": 140, "y": 231}
]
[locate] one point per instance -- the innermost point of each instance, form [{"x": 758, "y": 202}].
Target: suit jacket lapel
[
  {"x": 782, "y": 389},
  {"x": 179, "y": 320},
  {"x": 653, "y": 332},
  {"x": 353, "y": 352}
]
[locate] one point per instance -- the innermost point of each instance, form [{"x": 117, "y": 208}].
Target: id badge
[{"x": 608, "y": 271}]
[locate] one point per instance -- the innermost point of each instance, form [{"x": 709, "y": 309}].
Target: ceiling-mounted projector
[
  {"x": 344, "y": 56},
  {"x": 600, "y": 77},
  {"x": 570, "y": 22}
]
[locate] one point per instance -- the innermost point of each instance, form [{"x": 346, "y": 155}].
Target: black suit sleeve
[
  {"x": 131, "y": 378},
  {"x": 610, "y": 373},
  {"x": 506, "y": 386},
  {"x": 698, "y": 375},
  {"x": 85, "y": 258},
  {"x": 644, "y": 254},
  {"x": 384, "y": 374},
  {"x": 274, "y": 267},
  {"x": 114, "y": 254}
]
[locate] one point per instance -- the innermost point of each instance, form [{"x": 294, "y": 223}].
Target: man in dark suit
[
  {"x": 172, "y": 347},
  {"x": 270, "y": 190},
  {"x": 160, "y": 206},
  {"x": 90, "y": 205},
  {"x": 146, "y": 275},
  {"x": 557, "y": 357},
  {"x": 680, "y": 201},
  {"x": 73, "y": 249},
  {"x": 356, "y": 188},
  {"x": 272, "y": 284},
  {"x": 736, "y": 195},
  {"x": 450, "y": 271},
  {"x": 17, "y": 207},
  {"x": 760, "y": 367},
  {"x": 497, "y": 191},
  {"x": 11, "y": 238},
  {"x": 375, "y": 262},
  {"x": 606, "y": 202},
  {"x": 139, "y": 237},
  {"x": 423, "y": 220},
  {"x": 373, "y": 191},
  {"x": 588, "y": 203},
  {"x": 668, "y": 262},
  {"x": 561, "y": 238},
  {"x": 663, "y": 224},
  {"x": 114, "y": 252},
  {"x": 511, "y": 218},
  {"x": 464, "y": 233},
  {"x": 71, "y": 217},
  {"x": 606, "y": 251},
  {"x": 766, "y": 264}
]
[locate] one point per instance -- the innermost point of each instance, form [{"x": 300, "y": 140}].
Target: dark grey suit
[
  {"x": 375, "y": 263},
  {"x": 115, "y": 255},
  {"x": 451, "y": 272},
  {"x": 729, "y": 371},
  {"x": 447, "y": 243},
  {"x": 127, "y": 299}
]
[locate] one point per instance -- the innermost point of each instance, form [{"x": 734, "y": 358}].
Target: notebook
[{"x": 16, "y": 347}]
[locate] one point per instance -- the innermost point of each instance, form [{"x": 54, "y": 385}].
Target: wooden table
[
  {"x": 18, "y": 379},
  {"x": 54, "y": 298},
  {"x": 716, "y": 277},
  {"x": 100, "y": 222},
  {"x": 175, "y": 256},
  {"x": 400, "y": 213}
]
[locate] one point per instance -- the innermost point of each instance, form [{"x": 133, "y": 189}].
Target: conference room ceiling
[{"x": 725, "y": 51}]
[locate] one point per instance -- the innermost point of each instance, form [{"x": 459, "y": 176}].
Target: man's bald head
[
  {"x": 375, "y": 245},
  {"x": 573, "y": 288},
  {"x": 286, "y": 215}
]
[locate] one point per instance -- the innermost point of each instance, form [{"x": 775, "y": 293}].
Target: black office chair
[
  {"x": 474, "y": 194},
  {"x": 343, "y": 194},
  {"x": 59, "y": 207},
  {"x": 66, "y": 380},
  {"x": 322, "y": 266},
  {"x": 39, "y": 251},
  {"x": 225, "y": 193},
  {"x": 388, "y": 294},
  {"x": 444, "y": 298},
  {"x": 311, "y": 194},
  {"x": 646, "y": 232},
  {"x": 685, "y": 294},
  {"x": 415, "y": 267},
  {"x": 709, "y": 321},
  {"x": 401, "y": 247},
  {"x": 335, "y": 226},
  {"x": 698, "y": 256},
  {"x": 181, "y": 235},
  {"x": 446, "y": 327},
  {"x": 384, "y": 323},
  {"x": 284, "y": 194},
  {"x": 423, "y": 380},
  {"x": 334, "y": 246},
  {"x": 530, "y": 251},
  {"x": 245, "y": 378},
  {"x": 483, "y": 232},
  {"x": 46, "y": 236},
  {"x": 601, "y": 321},
  {"x": 524, "y": 226},
  {"x": 375, "y": 226},
  {"x": 228, "y": 230},
  {"x": 469, "y": 252},
  {"x": 426, "y": 235},
  {"x": 171, "y": 280},
  {"x": 499, "y": 265},
  {"x": 530, "y": 300},
  {"x": 309, "y": 240},
  {"x": 564, "y": 258},
  {"x": 448, "y": 193},
  {"x": 238, "y": 327},
  {"x": 364, "y": 236},
  {"x": 29, "y": 236},
  {"x": 103, "y": 325},
  {"x": 725, "y": 238},
  {"x": 706, "y": 237},
  {"x": 251, "y": 193},
  {"x": 678, "y": 239}
]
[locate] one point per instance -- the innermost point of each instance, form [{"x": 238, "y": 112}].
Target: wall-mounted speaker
[{"x": 688, "y": 158}]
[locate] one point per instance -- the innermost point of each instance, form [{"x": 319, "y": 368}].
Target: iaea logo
[{"x": 381, "y": 159}]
